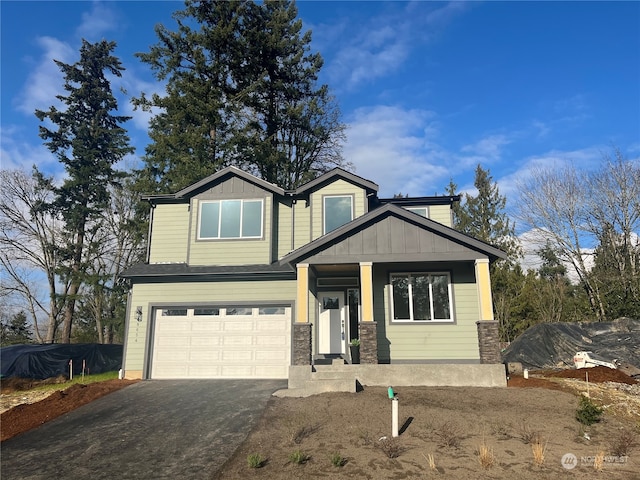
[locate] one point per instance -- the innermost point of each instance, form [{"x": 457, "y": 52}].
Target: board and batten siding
[
  {"x": 457, "y": 341},
  {"x": 339, "y": 187},
  {"x": 169, "y": 234},
  {"x": 301, "y": 223},
  {"x": 284, "y": 228},
  {"x": 148, "y": 295},
  {"x": 231, "y": 252},
  {"x": 441, "y": 214}
]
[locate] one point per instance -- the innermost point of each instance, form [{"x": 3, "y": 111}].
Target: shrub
[
  {"x": 255, "y": 460},
  {"x": 538, "y": 449},
  {"x": 338, "y": 460},
  {"x": 588, "y": 412},
  {"x": 298, "y": 457},
  {"x": 450, "y": 434},
  {"x": 624, "y": 442},
  {"x": 391, "y": 447},
  {"x": 486, "y": 457}
]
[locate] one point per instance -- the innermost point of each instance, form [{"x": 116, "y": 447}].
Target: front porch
[{"x": 305, "y": 380}]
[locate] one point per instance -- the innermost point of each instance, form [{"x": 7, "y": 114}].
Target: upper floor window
[
  {"x": 338, "y": 210},
  {"x": 422, "y": 211},
  {"x": 421, "y": 297},
  {"x": 230, "y": 219}
]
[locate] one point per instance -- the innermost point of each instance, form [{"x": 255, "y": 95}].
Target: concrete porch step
[{"x": 313, "y": 387}]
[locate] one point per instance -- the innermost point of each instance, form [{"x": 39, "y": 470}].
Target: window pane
[
  {"x": 422, "y": 211},
  {"x": 400, "y": 287},
  {"x": 239, "y": 311},
  {"x": 337, "y": 212},
  {"x": 209, "y": 216},
  {"x": 440, "y": 286},
  {"x": 174, "y": 312},
  {"x": 230, "y": 224},
  {"x": 420, "y": 297},
  {"x": 206, "y": 311},
  {"x": 271, "y": 311},
  {"x": 252, "y": 218}
]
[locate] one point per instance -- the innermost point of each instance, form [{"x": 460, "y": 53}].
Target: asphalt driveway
[{"x": 173, "y": 429}]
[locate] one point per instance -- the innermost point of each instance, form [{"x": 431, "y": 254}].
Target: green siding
[
  {"x": 150, "y": 294},
  {"x": 169, "y": 234},
  {"x": 339, "y": 187},
  {"x": 231, "y": 252},
  {"x": 284, "y": 229},
  {"x": 302, "y": 224},
  {"x": 441, "y": 214},
  {"x": 445, "y": 341}
]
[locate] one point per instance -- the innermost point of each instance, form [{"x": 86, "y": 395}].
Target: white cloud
[
  {"x": 17, "y": 154},
  {"x": 380, "y": 45},
  {"x": 96, "y": 22},
  {"x": 394, "y": 147},
  {"x": 489, "y": 148},
  {"x": 45, "y": 81}
]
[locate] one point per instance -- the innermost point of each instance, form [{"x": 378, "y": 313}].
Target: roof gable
[
  {"x": 210, "y": 181},
  {"x": 391, "y": 233},
  {"x": 331, "y": 176}
]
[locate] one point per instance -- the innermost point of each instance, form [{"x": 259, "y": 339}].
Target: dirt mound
[
  {"x": 596, "y": 374},
  {"x": 17, "y": 384},
  {"x": 27, "y": 416}
]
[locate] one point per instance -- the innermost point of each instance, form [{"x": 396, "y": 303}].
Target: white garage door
[{"x": 222, "y": 342}]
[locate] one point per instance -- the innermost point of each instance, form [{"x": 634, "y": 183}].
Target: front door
[{"x": 331, "y": 323}]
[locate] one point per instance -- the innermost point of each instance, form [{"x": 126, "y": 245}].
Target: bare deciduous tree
[
  {"x": 27, "y": 237},
  {"x": 573, "y": 209}
]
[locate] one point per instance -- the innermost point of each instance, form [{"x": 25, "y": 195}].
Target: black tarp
[
  {"x": 45, "y": 361},
  {"x": 552, "y": 345}
]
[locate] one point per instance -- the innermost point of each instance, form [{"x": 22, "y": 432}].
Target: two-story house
[{"x": 246, "y": 280}]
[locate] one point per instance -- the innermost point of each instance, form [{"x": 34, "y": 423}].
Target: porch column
[
  {"x": 488, "y": 333},
  {"x": 368, "y": 327},
  {"x": 301, "y": 337}
]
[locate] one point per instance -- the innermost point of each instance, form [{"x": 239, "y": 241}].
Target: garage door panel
[
  {"x": 238, "y": 326},
  {"x": 206, "y": 326},
  {"x": 251, "y": 345},
  {"x": 206, "y": 341},
  {"x": 205, "y": 356},
  {"x": 277, "y": 356}
]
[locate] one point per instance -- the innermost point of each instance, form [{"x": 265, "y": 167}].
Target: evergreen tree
[
  {"x": 15, "y": 330},
  {"x": 88, "y": 140},
  {"x": 484, "y": 217},
  {"x": 241, "y": 90}
]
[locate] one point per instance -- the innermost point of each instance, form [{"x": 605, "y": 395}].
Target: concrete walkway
[{"x": 173, "y": 429}]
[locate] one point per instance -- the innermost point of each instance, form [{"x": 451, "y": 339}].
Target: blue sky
[{"x": 428, "y": 89}]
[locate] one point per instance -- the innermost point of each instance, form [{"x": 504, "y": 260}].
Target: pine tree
[
  {"x": 241, "y": 90},
  {"x": 484, "y": 216},
  {"x": 88, "y": 140}
]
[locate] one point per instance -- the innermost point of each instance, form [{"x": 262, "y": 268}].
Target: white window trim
[
  {"x": 324, "y": 209},
  {"x": 241, "y": 200},
  {"x": 411, "y": 320}
]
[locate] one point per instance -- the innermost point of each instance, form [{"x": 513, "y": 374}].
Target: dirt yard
[
  {"x": 443, "y": 431},
  {"x": 23, "y": 409}
]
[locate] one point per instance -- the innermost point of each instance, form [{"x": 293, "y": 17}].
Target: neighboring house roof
[
  {"x": 419, "y": 201},
  {"x": 155, "y": 270},
  {"x": 467, "y": 245},
  {"x": 331, "y": 175}
]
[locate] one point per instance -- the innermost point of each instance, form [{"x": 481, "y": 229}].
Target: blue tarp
[{"x": 46, "y": 361}]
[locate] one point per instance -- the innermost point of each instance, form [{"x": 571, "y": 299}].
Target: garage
[{"x": 221, "y": 342}]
